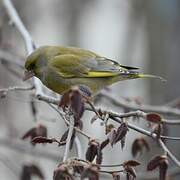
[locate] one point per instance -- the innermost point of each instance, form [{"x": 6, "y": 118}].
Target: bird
[{"x": 61, "y": 68}]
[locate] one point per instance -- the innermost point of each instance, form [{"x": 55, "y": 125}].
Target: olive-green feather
[{"x": 60, "y": 68}]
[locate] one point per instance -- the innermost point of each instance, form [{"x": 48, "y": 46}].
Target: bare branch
[
  {"x": 169, "y": 153},
  {"x": 68, "y": 141},
  {"x": 14, "y": 17},
  {"x": 22, "y": 147},
  {"x": 166, "y": 110}
]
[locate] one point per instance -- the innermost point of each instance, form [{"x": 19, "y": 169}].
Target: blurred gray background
[{"x": 140, "y": 33}]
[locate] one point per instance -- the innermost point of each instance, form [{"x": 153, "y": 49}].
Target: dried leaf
[
  {"x": 131, "y": 163},
  {"x": 130, "y": 172},
  {"x": 121, "y": 132},
  {"x": 153, "y": 117},
  {"x": 31, "y": 133},
  {"x": 41, "y": 130},
  {"x": 30, "y": 170},
  {"x": 65, "y": 100},
  {"x": 77, "y": 105},
  {"x": 62, "y": 173},
  {"x": 138, "y": 145},
  {"x": 115, "y": 176},
  {"x": 78, "y": 169},
  {"x": 74, "y": 100},
  {"x": 90, "y": 172},
  {"x": 25, "y": 174},
  {"x": 163, "y": 169},
  {"x": 104, "y": 144},
  {"x": 41, "y": 139},
  {"x": 99, "y": 155},
  {"x": 35, "y": 170},
  {"x": 155, "y": 162},
  {"x": 92, "y": 150}
]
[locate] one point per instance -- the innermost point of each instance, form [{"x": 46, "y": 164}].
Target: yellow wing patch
[{"x": 100, "y": 74}]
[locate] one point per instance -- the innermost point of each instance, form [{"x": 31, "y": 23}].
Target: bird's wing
[{"x": 70, "y": 65}]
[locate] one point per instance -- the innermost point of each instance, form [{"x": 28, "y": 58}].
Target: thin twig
[
  {"x": 68, "y": 140},
  {"x": 169, "y": 153},
  {"x": 111, "y": 172},
  {"x": 26, "y": 148},
  {"x": 15, "y": 19},
  {"x": 120, "y": 102},
  {"x": 62, "y": 114},
  {"x": 15, "y": 88},
  {"x": 78, "y": 147}
]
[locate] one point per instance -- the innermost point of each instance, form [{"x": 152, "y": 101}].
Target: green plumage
[{"x": 60, "y": 68}]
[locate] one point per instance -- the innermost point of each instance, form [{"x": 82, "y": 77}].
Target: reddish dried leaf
[
  {"x": 77, "y": 105},
  {"x": 35, "y": 170},
  {"x": 31, "y": 170},
  {"x": 138, "y": 145},
  {"x": 65, "y": 100},
  {"x": 115, "y": 176},
  {"x": 25, "y": 174},
  {"x": 104, "y": 143},
  {"x": 153, "y": 117},
  {"x": 90, "y": 172},
  {"x": 62, "y": 173},
  {"x": 121, "y": 132},
  {"x": 31, "y": 133},
  {"x": 73, "y": 99},
  {"x": 155, "y": 162},
  {"x": 78, "y": 169},
  {"x": 41, "y": 139},
  {"x": 92, "y": 150},
  {"x": 41, "y": 130},
  {"x": 163, "y": 170},
  {"x": 99, "y": 155},
  {"x": 130, "y": 171},
  {"x": 131, "y": 163}
]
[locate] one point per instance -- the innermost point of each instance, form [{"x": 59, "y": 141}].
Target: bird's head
[{"x": 35, "y": 63}]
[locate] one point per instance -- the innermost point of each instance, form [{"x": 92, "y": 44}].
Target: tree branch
[{"x": 166, "y": 110}]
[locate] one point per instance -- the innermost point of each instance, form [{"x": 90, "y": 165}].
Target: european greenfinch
[{"x": 61, "y": 68}]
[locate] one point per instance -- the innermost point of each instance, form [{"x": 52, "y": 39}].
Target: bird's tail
[
  {"x": 140, "y": 75},
  {"x": 134, "y": 75}
]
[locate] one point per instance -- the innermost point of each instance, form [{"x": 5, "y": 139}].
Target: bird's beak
[{"x": 28, "y": 75}]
